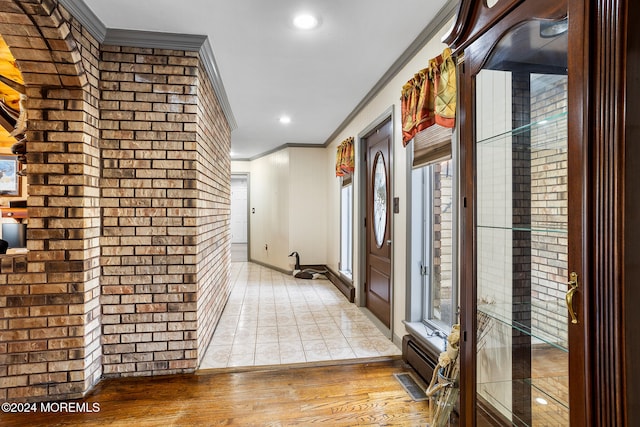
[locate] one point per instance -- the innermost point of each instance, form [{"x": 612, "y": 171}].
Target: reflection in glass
[
  {"x": 379, "y": 199},
  {"x": 442, "y": 305}
]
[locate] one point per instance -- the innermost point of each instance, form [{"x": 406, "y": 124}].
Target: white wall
[
  {"x": 240, "y": 166},
  {"x": 287, "y": 205},
  {"x": 269, "y": 209},
  {"x": 307, "y": 205},
  {"x": 387, "y": 97}
]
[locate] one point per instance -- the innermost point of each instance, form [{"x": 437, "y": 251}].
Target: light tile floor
[{"x": 272, "y": 318}]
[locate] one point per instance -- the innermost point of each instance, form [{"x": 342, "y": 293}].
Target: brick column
[
  {"x": 129, "y": 189},
  {"x": 148, "y": 112},
  {"x": 49, "y": 316},
  {"x": 165, "y": 206}
]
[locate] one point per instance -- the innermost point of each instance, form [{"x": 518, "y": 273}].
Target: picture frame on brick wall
[{"x": 9, "y": 178}]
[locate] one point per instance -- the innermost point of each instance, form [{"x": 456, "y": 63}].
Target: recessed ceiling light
[
  {"x": 285, "y": 120},
  {"x": 541, "y": 401},
  {"x": 305, "y": 21}
]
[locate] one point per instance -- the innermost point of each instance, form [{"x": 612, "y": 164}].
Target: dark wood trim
[
  {"x": 477, "y": 54},
  {"x": 468, "y": 293},
  {"x": 489, "y": 416},
  {"x": 604, "y": 204},
  {"x": 345, "y": 286},
  {"x": 474, "y": 18},
  {"x": 630, "y": 164},
  {"x": 578, "y": 250},
  {"x": 473, "y": 42},
  {"x": 606, "y": 34}
]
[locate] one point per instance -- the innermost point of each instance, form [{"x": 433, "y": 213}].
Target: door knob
[
  {"x": 573, "y": 287},
  {"x": 388, "y": 242}
]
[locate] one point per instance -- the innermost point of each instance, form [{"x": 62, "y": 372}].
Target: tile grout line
[{"x": 266, "y": 288}]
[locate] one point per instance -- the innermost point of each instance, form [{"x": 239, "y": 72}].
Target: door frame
[
  {"x": 361, "y": 174},
  {"x": 247, "y": 176}
]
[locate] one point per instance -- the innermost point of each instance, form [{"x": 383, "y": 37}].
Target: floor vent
[{"x": 411, "y": 386}]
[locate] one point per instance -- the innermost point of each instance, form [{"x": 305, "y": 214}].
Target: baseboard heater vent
[
  {"x": 418, "y": 357},
  {"x": 343, "y": 285},
  {"x": 422, "y": 359},
  {"x": 411, "y": 386}
]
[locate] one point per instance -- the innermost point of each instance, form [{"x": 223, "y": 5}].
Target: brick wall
[
  {"x": 442, "y": 270},
  {"x": 214, "y": 209},
  {"x": 49, "y": 316},
  {"x": 128, "y": 176},
  {"x": 88, "y": 176},
  {"x": 165, "y": 196},
  {"x": 549, "y": 206}
]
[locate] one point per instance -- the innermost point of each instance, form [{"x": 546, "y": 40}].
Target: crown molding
[
  {"x": 156, "y": 40},
  {"x": 209, "y": 61},
  {"x": 283, "y": 147},
  {"x": 276, "y": 149},
  {"x": 153, "y": 39},
  {"x": 88, "y": 19}
]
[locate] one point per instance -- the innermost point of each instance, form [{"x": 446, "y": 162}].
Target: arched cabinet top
[{"x": 474, "y": 18}]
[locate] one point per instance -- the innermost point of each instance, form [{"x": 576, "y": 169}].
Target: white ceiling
[{"x": 269, "y": 68}]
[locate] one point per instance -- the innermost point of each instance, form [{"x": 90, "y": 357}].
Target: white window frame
[
  {"x": 346, "y": 230},
  {"x": 420, "y": 250}
]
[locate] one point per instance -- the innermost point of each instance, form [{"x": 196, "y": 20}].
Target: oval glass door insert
[{"x": 379, "y": 199}]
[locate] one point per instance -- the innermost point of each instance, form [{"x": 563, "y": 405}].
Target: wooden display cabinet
[{"x": 548, "y": 100}]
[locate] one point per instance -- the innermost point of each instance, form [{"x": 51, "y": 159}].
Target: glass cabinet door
[{"x": 521, "y": 227}]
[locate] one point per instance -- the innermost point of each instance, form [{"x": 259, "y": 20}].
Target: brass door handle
[{"x": 573, "y": 287}]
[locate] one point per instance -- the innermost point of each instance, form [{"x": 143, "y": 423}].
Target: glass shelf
[
  {"x": 503, "y": 313},
  {"x": 519, "y": 154},
  {"x": 561, "y": 228},
  {"x": 557, "y": 120},
  {"x": 551, "y": 389},
  {"x": 547, "y": 405}
]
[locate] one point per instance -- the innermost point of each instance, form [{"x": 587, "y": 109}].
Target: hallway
[{"x": 272, "y": 318}]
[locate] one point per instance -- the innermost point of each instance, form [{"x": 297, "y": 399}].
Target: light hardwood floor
[{"x": 347, "y": 394}]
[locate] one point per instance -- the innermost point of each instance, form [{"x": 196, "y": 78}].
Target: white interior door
[{"x": 239, "y": 209}]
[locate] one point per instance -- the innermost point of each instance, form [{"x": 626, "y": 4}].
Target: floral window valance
[
  {"x": 430, "y": 97},
  {"x": 345, "y": 158}
]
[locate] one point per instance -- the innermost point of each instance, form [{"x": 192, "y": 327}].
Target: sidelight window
[
  {"x": 440, "y": 302},
  {"x": 433, "y": 295},
  {"x": 346, "y": 227}
]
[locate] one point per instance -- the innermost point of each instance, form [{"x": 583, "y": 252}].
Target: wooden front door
[{"x": 377, "y": 290}]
